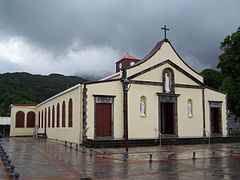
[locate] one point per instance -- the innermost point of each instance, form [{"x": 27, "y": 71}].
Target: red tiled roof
[
  {"x": 128, "y": 56},
  {"x": 24, "y": 104}
]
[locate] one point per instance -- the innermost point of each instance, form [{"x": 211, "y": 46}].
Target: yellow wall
[
  {"x": 21, "y": 131},
  {"x": 156, "y": 76},
  {"x": 190, "y": 126},
  {"x": 71, "y": 134},
  {"x": 211, "y": 95},
  {"x": 140, "y": 126},
  {"x": 110, "y": 89}
]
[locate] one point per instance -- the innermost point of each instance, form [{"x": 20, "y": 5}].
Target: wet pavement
[{"x": 51, "y": 159}]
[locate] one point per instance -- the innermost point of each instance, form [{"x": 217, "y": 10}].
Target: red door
[{"x": 103, "y": 119}]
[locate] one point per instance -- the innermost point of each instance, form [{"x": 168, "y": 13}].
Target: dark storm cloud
[{"x": 109, "y": 29}]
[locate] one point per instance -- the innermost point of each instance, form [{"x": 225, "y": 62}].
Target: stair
[{"x": 97, "y": 143}]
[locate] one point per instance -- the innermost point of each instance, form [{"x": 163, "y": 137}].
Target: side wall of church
[
  {"x": 63, "y": 132},
  {"x": 113, "y": 88},
  {"x": 213, "y": 96},
  {"x": 21, "y": 131}
]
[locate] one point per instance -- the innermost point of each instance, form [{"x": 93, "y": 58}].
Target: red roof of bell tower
[
  {"x": 128, "y": 56},
  {"x": 126, "y": 61}
]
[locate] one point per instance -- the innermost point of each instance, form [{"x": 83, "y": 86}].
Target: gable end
[{"x": 173, "y": 65}]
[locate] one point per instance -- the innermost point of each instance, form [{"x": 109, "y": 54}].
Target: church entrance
[
  {"x": 215, "y": 117},
  {"x": 215, "y": 120},
  {"x": 167, "y": 119},
  {"x": 104, "y": 116},
  {"x": 103, "y": 119}
]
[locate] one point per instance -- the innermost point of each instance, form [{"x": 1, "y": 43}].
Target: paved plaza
[{"x": 51, "y": 159}]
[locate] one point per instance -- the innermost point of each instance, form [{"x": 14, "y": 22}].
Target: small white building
[
  {"x": 5, "y": 126},
  {"x": 159, "y": 93}
]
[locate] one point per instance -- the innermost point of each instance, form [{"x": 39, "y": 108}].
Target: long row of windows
[
  {"x": 20, "y": 119},
  {"x": 46, "y": 117}
]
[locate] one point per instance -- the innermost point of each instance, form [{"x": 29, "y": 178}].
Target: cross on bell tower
[{"x": 165, "y": 32}]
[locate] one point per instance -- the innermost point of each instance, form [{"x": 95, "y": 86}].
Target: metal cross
[{"x": 165, "y": 31}]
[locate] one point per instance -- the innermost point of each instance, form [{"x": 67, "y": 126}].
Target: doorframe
[
  {"x": 216, "y": 104},
  {"x": 168, "y": 98},
  {"x": 104, "y": 99}
]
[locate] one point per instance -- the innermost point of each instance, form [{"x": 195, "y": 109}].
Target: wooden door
[
  {"x": 215, "y": 120},
  {"x": 170, "y": 118},
  {"x": 103, "y": 119},
  {"x": 167, "y": 118}
]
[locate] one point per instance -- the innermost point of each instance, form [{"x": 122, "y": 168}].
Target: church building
[{"x": 159, "y": 95}]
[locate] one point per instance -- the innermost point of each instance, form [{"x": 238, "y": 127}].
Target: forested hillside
[{"x": 25, "y": 88}]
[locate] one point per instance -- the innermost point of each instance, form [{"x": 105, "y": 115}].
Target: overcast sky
[{"x": 77, "y": 37}]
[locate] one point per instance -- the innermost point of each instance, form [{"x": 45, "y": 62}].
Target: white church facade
[{"x": 159, "y": 95}]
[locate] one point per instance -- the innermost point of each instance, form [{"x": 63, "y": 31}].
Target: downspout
[
  {"x": 125, "y": 108},
  {"x": 84, "y": 115}
]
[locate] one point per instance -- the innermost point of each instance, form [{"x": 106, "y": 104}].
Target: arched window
[
  {"x": 190, "y": 108},
  {"x": 53, "y": 116},
  {"x": 70, "y": 113},
  {"x": 30, "y": 119},
  {"x": 168, "y": 80},
  {"x": 58, "y": 115},
  {"x": 49, "y": 117},
  {"x": 45, "y": 118},
  {"x": 20, "y": 119},
  {"x": 143, "y": 106},
  {"x": 39, "y": 122},
  {"x": 63, "y": 114},
  {"x": 42, "y": 120}
]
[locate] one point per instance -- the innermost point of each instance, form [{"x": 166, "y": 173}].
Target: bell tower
[{"x": 127, "y": 61}]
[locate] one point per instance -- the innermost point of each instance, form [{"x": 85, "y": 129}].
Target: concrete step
[
  {"x": 42, "y": 135},
  {"x": 153, "y": 142}
]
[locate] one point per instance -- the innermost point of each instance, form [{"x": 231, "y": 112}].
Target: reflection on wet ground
[{"x": 51, "y": 159}]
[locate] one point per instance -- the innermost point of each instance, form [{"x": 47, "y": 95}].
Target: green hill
[{"x": 25, "y": 88}]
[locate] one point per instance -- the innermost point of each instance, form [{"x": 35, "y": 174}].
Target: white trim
[
  {"x": 110, "y": 76},
  {"x": 59, "y": 94}
]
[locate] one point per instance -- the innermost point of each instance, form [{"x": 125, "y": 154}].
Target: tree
[
  {"x": 230, "y": 67},
  {"x": 25, "y": 88},
  {"x": 212, "y": 78}
]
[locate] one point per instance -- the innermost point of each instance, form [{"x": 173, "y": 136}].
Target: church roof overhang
[
  {"x": 156, "y": 48},
  {"x": 60, "y": 94},
  {"x": 213, "y": 89},
  {"x": 173, "y": 65},
  {"x": 103, "y": 81},
  {"x": 23, "y": 105},
  {"x": 115, "y": 75}
]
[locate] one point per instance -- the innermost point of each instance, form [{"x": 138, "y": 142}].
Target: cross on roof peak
[{"x": 165, "y": 32}]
